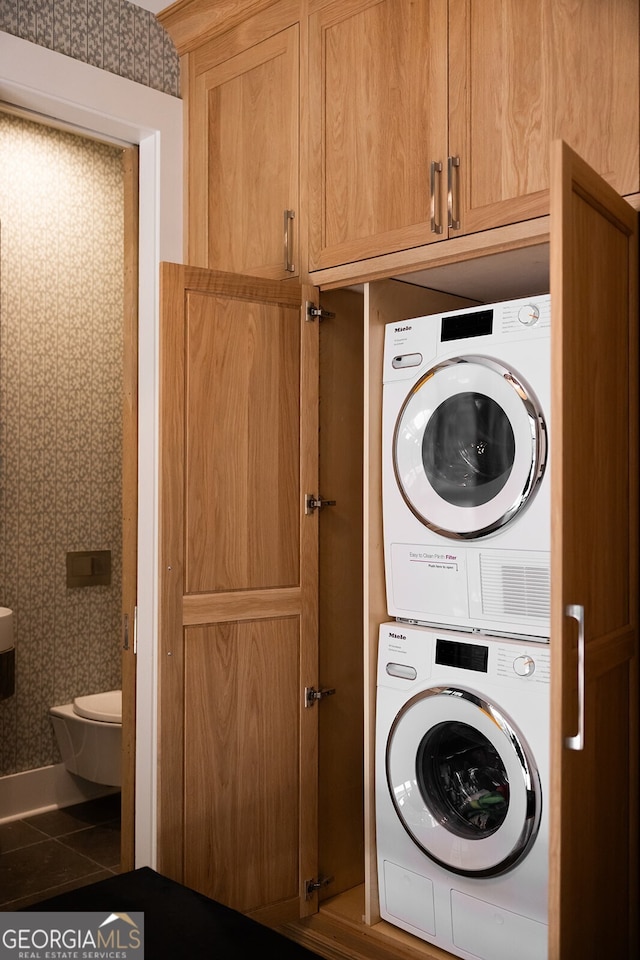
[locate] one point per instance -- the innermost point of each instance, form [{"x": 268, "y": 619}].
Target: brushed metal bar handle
[
  {"x": 135, "y": 630},
  {"x": 436, "y": 167},
  {"x": 576, "y": 612},
  {"x": 454, "y": 222},
  {"x": 289, "y": 216}
]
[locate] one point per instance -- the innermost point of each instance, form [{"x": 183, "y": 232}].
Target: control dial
[
  {"x": 528, "y": 314},
  {"x": 524, "y": 666}
]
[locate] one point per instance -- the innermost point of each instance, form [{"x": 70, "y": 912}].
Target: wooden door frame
[
  {"x": 51, "y": 85},
  {"x": 129, "y": 498}
]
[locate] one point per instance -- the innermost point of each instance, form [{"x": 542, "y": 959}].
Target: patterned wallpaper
[
  {"x": 61, "y": 303},
  {"x": 112, "y": 34}
]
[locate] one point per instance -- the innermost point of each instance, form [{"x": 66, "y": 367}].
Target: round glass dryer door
[
  {"x": 463, "y": 782},
  {"x": 469, "y": 447}
]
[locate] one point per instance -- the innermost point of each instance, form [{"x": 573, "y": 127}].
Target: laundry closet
[{"x": 316, "y": 215}]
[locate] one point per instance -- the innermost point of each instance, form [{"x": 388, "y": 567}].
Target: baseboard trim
[{"x": 46, "y": 788}]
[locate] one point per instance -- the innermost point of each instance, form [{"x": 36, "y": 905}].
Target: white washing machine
[
  {"x": 465, "y": 472},
  {"x": 462, "y": 748}
]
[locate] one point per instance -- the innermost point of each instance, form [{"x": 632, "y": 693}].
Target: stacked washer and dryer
[{"x": 462, "y": 715}]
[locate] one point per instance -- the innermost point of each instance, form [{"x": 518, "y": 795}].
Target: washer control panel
[
  {"x": 528, "y": 664},
  {"x": 411, "y": 654}
]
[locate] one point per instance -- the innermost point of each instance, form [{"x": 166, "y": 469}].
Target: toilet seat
[{"x": 106, "y": 707}]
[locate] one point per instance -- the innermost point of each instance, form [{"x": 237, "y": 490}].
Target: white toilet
[{"x": 89, "y": 734}]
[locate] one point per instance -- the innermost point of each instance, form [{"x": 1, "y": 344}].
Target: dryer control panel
[{"x": 417, "y": 342}]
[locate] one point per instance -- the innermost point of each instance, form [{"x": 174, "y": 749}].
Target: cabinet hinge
[
  {"x": 311, "y": 695},
  {"x": 312, "y": 886},
  {"x": 311, "y": 503},
  {"x": 317, "y": 313}
]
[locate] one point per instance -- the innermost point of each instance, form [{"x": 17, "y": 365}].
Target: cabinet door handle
[
  {"x": 576, "y": 612},
  {"x": 288, "y": 230},
  {"x": 454, "y": 222},
  {"x": 436, "y": 167}
]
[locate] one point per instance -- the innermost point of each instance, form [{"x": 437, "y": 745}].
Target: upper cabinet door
[
  {"x": 594, "y": 631},
  {"x": 525, "y": 72},
  {"x": 243, "y": 155},
  {"x": 377, "y": 102}
]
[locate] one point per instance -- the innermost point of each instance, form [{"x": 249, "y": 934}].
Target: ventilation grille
[{"x": 511, "y": 589}]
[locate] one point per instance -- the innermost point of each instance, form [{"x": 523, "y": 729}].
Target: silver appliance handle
[{"x": 576, "y": 612}]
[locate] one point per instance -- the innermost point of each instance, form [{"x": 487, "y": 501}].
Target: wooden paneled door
[
  {"x": 525, "y": 72},
  {"x": 238, "y": 578},
  {"x": 243, "y": 198},
  {"x": 378, "y": 121},
  {"x": 594, "y": 632}
]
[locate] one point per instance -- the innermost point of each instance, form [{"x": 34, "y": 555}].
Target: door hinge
[
  {"x": 317, "y": 313},
  {"x": 312, "y": 886},
  {"x": 311, "y": 503},
  {"x": 311, "y": 695}
]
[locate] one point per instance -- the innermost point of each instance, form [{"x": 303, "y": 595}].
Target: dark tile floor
[{"x": 50, "y": 853}]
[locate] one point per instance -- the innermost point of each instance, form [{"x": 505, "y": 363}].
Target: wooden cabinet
[
  {"x": 325, "y": 132},
  {"x": 477, "y": 87},
  {"x": 522, "y": 74},
  {"x": 591, "y": 254},
  {"x": 243, "y": 151},
  {"x": 377, "y": 123},
  {"x": 238, "y": 619},
  {"x": 239, "y": 753}
]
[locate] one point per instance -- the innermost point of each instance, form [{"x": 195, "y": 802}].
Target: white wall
[{"x": 45, "y": 82}]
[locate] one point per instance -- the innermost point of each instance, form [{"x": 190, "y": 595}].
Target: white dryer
[
  {"x": 465, "y": 472},
  {"x": 462, "y": 748}
]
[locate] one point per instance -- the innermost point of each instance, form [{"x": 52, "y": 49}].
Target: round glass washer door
[
  {"x": 463, "y": 782},
  {"x": 469, "y": 447}
]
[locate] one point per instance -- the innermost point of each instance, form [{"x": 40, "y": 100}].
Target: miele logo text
[
  {"x": 398, "y": 636},
  {"x": 402, "y": 329}
]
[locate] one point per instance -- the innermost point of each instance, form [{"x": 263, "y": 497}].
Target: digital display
[
  {"x": 465, "y": 325},
  {"x": 464, "y": 656}
]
